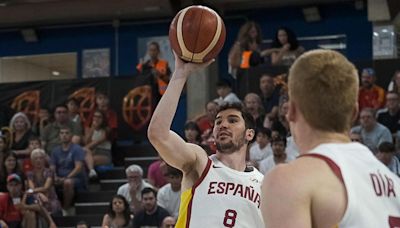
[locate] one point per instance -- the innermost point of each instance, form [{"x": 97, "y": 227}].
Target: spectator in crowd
[
  {"x": 279, "y": 155},
  {"x": 269, "y": 94},
  {"x": 21, "y": 131},
  {"x": 156, "y": 67},
  {"x": 103, "y": 105},
  {"x": 394, "y": 85},
  {"x": 9, "y": 166},
  {"x": 34, "y": 143},
  {"x": 43, "y": 121},
  {"x": 288, "y": 47},
  {"x": 192, "y": 133},
  {"x": 206, "y": 121},
  {"x": 50, "y": 135},
  {"x": 82, "y": 224},
  {"x": 390, "y": 116},
  {"x": 370, "y": 94},
  {"x": 118, "y": 214},
  {"x": 132, "y": 190},
  {"x": 224, "y": 91},
  {"x": 280, "y": 123},
  {"x": 97, "y": 144},
  {"x": 151, "y": 215},
  {"x": 67, "y": 163},
  {"x": 156, "y": 173},
  {"x": 168, "y": 222},
  {"x": 41, "y": 181},
  {"x": 73, "y": 110},
  {"x": 356, "y": 137},
  {"x": 261, "y": 148},
  {"x": 3, "y": 147},
  {"x": 249, "y": 34},
  {"x": 387, "y": 155},
  {"x": 372, "y": 133},
  {"x": 18, "y": 209},
  {"x": 252, "y": 102},
  {"x": 168, "y": 197}
]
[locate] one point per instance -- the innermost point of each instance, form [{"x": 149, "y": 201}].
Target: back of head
[{"x": 324, "y": 85}]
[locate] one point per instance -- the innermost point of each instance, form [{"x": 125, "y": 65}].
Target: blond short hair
[
  {"x": 324, "y": 85},
  {"x": 37, "y": 152}
]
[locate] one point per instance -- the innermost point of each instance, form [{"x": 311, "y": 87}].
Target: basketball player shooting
[
  {"x": 217, "y": 191},
  {"x": 334, "y": 182}
]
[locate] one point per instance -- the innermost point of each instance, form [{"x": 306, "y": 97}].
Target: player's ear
[{"x": 250, "y": 134}]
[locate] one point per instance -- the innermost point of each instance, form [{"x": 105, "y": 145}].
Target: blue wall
[{"x": 336, "y": 19}]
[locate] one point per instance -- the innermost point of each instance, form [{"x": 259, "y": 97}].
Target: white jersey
[
  {"x": 222, "y": 197},
  {"x": 373, "y": 191}
]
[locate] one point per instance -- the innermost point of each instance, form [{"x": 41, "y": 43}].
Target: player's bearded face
[{"x": 228, "y": 146}]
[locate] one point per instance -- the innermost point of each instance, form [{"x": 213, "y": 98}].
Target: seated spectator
[
  {"x": 390, "y": 116},
  {"x": 103, "y": 105},
  {"x": 169, "y": 196},
  {"x": 67, "y": 162},
  {"x": 21, "y": 132},
  {"x": 279, "y": 155},
  {"x": 372, "y": 133},
  {"x": 394, "y": 85},
  {"x": 168, "y": 222},
  {"x": 370, "y": 94},
  {"x": 82, "y": 224},
  {"x": 156, "y": 173},
  {"x": 192, "y": 133},
  {"x": 18, "y": 209},
  {"x": 269, "y": 94},
  {"x": 289, "y": 49},
  {"x": 206, "y": 121},
  {"x": 44, "y": 120},
  {"x": 280, "y": 123},
  {"x": 3, "y": 147},
  {"x": 252, "y": 102},
  {"x": 356, "y": 137},
  {"x": 41, "y": 180},
  {"x": 34, "y": 143},
  {"x": 132, "y": 190},
  {"x": 224, "y": 91},
  {"x": 9, "y": 166},
  {"x": 97, "y": 144},
  {"x": 73, "y": 110},
  {"x": 261, "y": 148},
  {"x": 151, "y": 215},
  {"x": 118, "y": 214},
  {"x": 50, "y": 135},
  {"x": 387, "y": 155}
]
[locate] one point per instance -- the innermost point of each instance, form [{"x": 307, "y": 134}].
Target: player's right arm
[{"x": 171, "y": 147}]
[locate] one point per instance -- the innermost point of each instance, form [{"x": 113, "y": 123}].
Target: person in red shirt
[{"x": 370, "y": 95}]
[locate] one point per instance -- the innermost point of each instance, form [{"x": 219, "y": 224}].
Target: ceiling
[{"x": 31, "y": 13}]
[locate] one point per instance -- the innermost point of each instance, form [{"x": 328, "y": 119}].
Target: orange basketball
[{"x": 197, "y": 34}]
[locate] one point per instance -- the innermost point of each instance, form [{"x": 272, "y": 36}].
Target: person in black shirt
[{"x": 390, "y": 116}]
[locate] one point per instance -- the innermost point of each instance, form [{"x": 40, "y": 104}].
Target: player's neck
[
  {"x": 312, "y": 138},
  {"x": 236, "y": 160}
]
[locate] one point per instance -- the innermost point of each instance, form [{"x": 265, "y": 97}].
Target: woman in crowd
[
  {"x": 192, "y": 133},
  {"x": 40, "y": 180},
  {"x": 288, "y": 48},
  {"x": 118, "y": 215},
  {"x": 20, "y": 127},
  {"x": 97, "y": 143},
  {"x": 9, "y": 166}
]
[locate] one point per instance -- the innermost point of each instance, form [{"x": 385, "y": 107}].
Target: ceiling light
[{"x": 55, "y": 73}]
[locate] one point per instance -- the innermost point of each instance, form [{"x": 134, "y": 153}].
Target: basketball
[{"x": 197, "y": 34}]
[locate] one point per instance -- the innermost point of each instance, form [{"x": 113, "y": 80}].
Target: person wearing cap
[
  {"x": 370, "y": 94},
  {"x": 16, "y": 210}
]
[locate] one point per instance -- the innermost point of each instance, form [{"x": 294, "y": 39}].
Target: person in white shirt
[
  {"x": 169, "y": 196},
  {"x": 261, "y": 148},
  {"x": 132, "y": 190},
  {"x": 279, "y": 155},
  {"x": 224, "y": 91}
]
